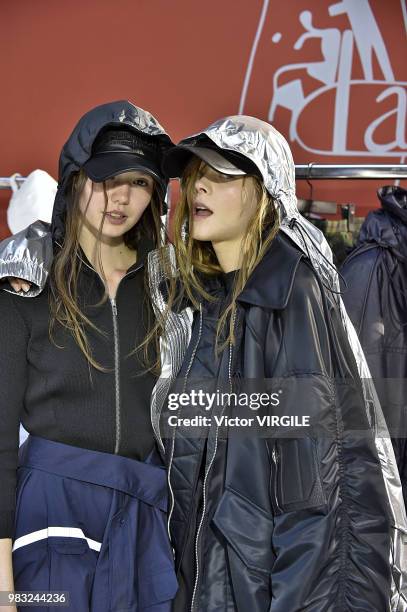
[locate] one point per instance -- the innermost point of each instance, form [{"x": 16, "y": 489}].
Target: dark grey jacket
[{"x": 376, "y": 301}]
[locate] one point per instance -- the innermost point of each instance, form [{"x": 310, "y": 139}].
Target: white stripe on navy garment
[{"x": 55, "y": 532}]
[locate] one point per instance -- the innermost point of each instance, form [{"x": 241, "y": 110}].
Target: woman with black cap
[
  {"x": 288, "y": 520},
  {"x": 83, "y": 504}
]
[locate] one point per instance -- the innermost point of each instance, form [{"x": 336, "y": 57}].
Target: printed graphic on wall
[{"x": 330, "y": 75}]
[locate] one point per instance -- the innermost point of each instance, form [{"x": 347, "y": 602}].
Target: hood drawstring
[{"x": 293, "y": 222}]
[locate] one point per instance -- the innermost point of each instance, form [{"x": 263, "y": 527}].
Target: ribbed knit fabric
[{"x": 54, "y": 392}]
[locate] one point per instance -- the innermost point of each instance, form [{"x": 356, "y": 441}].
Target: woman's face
[
  {"x": 222, "y": 206},
  {"x": 128, "y": 196}
]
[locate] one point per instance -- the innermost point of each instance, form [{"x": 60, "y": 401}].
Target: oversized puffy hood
[
  {"x": 262, "y": 144},
  {"x": 77, "y": 149},
  {"x": 269, "y": 151}
]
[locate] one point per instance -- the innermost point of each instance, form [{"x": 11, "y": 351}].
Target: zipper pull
[
  {"x": 114, "y": 307},
  {"x": 276, "y": 478}
]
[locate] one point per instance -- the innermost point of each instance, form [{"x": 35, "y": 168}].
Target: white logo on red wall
[{"x": 328, "y": 75}]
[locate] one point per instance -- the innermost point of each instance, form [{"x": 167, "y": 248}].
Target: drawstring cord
[{"x": 291, "y": 225}]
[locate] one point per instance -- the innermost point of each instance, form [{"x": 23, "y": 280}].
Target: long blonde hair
[
  {"x": 196, "y": 258},
  {"x": 67, "y": 265}
]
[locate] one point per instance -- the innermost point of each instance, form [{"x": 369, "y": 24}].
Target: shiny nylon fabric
[
  {"x": 376, "y": 274},
  {"x": 78, "y": 147},
  {"x": 267, "y": 148},
  {"x": 28, "y": 255},
  {"x": 174, "y": 343},
  {"x": 257, "y": 520},
  {"x": 77, "y": 150}
]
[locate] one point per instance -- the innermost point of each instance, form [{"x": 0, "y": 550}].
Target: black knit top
[{"x": 54, "y": 392}]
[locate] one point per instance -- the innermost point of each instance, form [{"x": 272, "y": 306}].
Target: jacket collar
[
  {"x": 144, "y": 246},
  {"x": 271, "y": 282}
]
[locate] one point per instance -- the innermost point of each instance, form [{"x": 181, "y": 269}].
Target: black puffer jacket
[
  {"x": 376, "y": 301},
  {"x": 287, "y": 524}
]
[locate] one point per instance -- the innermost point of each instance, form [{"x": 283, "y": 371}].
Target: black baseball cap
[
  {"x": 120, "y": 149},
  {"x": 226, "y": 161}
]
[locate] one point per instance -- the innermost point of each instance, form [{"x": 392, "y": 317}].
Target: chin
[
  {"x": 208, "y": 236},
  {"x": 203, "y": 234},
  {"x": 118, "y": 232}
]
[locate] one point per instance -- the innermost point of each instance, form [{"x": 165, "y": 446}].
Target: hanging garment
[
  {"x": 376, "y": 301},
  {"x": 32, "y": 201}
]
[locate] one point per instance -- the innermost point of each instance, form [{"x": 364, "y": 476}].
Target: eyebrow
[{"x": 140, "y": 174}]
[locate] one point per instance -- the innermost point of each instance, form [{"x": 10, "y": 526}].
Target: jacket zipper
[
  {"x": 276, "y": 459},
  {"x": 201, "y": 522},
  {"x": 117, "y": 363},
  {"x": 113, "y": 305},
  {"x": 173, "y": 435},
  {"x": 116, "y": 374}
]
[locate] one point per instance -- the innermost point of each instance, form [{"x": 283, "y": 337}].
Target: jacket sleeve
[
  {"x": 331, "y": 533},
  {"x": 27, "y": 255},
  {"x": 357, "y": 271},
  {"x": 368, "y": 301},
  {"x": 13, "y": 381}
]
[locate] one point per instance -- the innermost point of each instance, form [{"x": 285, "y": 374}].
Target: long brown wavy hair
[{"x": 67, "y": 264}]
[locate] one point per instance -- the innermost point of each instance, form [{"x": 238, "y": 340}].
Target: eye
[
  {"x": 224, "y": 176},
  {"x": 141, "y": 182},
  {"x": 220, "y": 177}
]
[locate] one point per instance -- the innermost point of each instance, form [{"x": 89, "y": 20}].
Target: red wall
[{"x": 186, "y": 61}]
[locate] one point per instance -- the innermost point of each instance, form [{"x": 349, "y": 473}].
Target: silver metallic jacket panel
[{"x": 28, "y": 255}]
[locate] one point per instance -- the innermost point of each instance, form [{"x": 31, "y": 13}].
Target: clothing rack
[
  {"x": 5, "y": 181},
  {"x": 314, "y": 171},
  {"x": 348, "y": 171}
]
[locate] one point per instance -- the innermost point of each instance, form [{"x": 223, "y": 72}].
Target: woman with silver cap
[
  {"x": 268, "y": 520},
  {"x": 83, "y": 503}
]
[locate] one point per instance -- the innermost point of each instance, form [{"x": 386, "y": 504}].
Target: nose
[
  {"x": 120, "y": 193},
  {"x": 201, "y": 185}
]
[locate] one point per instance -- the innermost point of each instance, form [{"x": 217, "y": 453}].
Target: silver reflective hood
[
  {"x": 264, "y": 146},
  {"x": 269, "y": 151}
]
